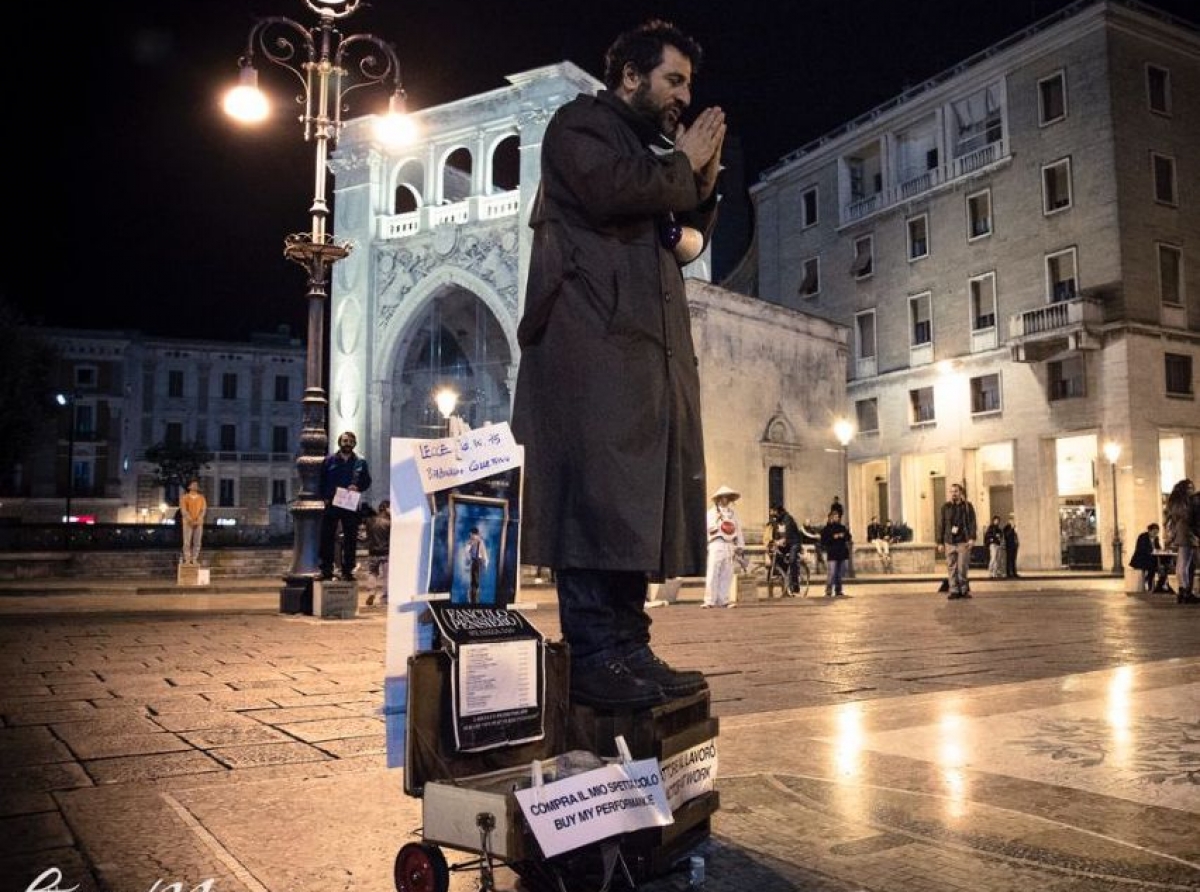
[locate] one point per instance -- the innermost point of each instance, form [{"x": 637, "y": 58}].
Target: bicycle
[{"x": 773, "y": 570}]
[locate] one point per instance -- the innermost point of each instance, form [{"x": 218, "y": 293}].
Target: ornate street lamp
[
  {"x": 67, "y": 401},
  {"x": 329, "y": 65},
  {"x": 1112, "y": 451}
]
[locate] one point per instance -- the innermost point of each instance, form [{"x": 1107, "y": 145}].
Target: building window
[
  {"x": 1158, "y": 89},
  {"x": 225, "y": 496},
  {"x": 1170, "y": 275},
  {"x": 229, "y": 386},
  {"x": 1179, "y": 375},
  {"x": 977, "y": 121},
  {"x": 1164, "y": 178},
  {"x": 810, "y": 282},
  {"x": 864, "y": 257},
  {"x": 228, "y": 437},
  {"x": 1061, "y": 276},
  {"x": 175, "y": 383},
  {"x": 918, "y": 237},
  {"x": 919, "y": 319},
  {"x": 1052, "y": 98},
  {"x": 865, "y": 325},
  {"x": 1056, "y": 186},
  {"x": 775, "y": 490},
  {"x": 85, "y": 420},
  {"x": 279, "y": 493},
  {"x": 283, "y": 388},
  {"x": 983, "y": 302},
  {"x": 866, "y": 414},
  {"x": 920, "y": 402},
  {"x": 985, "y": 394},
  {"x": 173, "y": 435},
  {"x": 808, "y": 207},
  {"x": 86, "y": 376},
  {"x": 979, "y": 214},
  {"x": 279, "y": 438},
  {"x": 1066, "y": 378}
]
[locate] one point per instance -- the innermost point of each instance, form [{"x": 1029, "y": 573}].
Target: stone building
[
  {"x": 431, "y": 294},
  {"x": 1014, "y": 245},
  {"x": 126, "y": 391}
]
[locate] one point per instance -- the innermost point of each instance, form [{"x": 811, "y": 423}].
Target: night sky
[{"x": 143, "y": 207}]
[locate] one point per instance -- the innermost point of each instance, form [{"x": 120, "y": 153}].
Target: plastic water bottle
[{"x": 695, "y": 871}]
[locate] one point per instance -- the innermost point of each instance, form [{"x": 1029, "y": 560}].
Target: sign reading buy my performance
[
  {"x": 499, "y": 675},
  {"x": 595, "y": 805}
]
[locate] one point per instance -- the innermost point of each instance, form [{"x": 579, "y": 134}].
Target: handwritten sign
[
  {"x": 472, "y": 455},
  {"x": 688, "y": 774},
  {"x": 595, "y": 805}
]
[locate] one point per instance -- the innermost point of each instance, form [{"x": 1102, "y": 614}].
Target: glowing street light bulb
[{"x": 246, "y": 102}]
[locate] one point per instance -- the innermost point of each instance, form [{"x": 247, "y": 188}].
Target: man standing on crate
[{"x": 607, "y": 401}]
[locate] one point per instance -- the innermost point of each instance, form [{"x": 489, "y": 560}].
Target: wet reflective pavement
[{"x": 1044, "y": 735}]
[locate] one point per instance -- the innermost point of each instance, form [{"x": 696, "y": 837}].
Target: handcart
[{"x": 469, "y": 801}]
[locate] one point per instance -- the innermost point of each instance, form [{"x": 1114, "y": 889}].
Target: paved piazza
[{"x": 1041, "y": 737}]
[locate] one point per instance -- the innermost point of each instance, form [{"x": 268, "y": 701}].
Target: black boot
[
  {"x": 674, "y": 682},
  {"x": 614, "y": 686}
]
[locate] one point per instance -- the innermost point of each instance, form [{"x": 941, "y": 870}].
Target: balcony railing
[
  {"x": 864, "y": 205},
  {"x": 475, "y": 208},
  {"x": 1066, "y": 325}
]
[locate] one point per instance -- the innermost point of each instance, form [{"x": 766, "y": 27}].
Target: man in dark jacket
[
  {"x": 348, "y": 471},
  {"x": 607, "y": 401},
  {"x": 956, "y": 533},
  {"x": 1154, "y": 570},
  {"x": 1011, "y": 543}
]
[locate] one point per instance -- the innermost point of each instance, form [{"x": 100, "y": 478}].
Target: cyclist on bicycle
[{"x": 785, "y": 537}]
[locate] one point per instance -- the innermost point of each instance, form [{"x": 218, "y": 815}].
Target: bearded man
[{"x": 607, "y": 401}]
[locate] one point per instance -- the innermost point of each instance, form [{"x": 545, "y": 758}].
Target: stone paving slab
[{"x": 908, "y": 746}]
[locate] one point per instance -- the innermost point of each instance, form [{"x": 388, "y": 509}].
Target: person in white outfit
[{"x": 725, "y": 547}]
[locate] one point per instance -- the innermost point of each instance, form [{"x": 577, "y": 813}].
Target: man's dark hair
[{"x": 642, "y": 47}]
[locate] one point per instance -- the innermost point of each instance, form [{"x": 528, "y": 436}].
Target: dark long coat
[{"x": 607, "y": 401}]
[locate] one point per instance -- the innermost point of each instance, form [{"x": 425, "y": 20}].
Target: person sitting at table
[{"x": 1155, "y": 571}]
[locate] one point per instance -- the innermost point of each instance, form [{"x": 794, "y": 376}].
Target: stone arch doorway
[{"x": 455, "y": 342}]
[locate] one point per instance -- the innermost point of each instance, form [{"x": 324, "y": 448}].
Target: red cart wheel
[{"x": 421, "y": 867}]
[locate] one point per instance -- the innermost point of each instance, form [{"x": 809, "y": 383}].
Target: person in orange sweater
[{"x": 192, "y": 508}]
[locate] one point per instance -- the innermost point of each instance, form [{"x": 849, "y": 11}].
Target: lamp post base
[
  {"x": 1118, "y": 562},
  {"x": 296, "y": 596}
]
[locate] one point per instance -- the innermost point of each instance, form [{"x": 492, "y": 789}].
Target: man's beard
[{"x": 665, "y": 118}]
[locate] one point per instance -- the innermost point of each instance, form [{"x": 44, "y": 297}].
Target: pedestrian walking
[
  {"x": 956, "y": 533},
  {"x": 726, "y": 544},
  {"x": 1183, "y": 534},
  {"x": 379, "y": 535}
]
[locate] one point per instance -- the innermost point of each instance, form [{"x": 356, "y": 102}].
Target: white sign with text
[
  {"x": 688, "y": 774},
  {"x": 595, "y": 805},
  {"x": 470, "y": 456}
]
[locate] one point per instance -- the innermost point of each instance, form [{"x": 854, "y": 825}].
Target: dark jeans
[
  {"x": 1010, "y": 560},
  {"x": 602, "y": 614},
  {"x": 330, "y": 522},
  {"x": 793, "y": 568}
]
